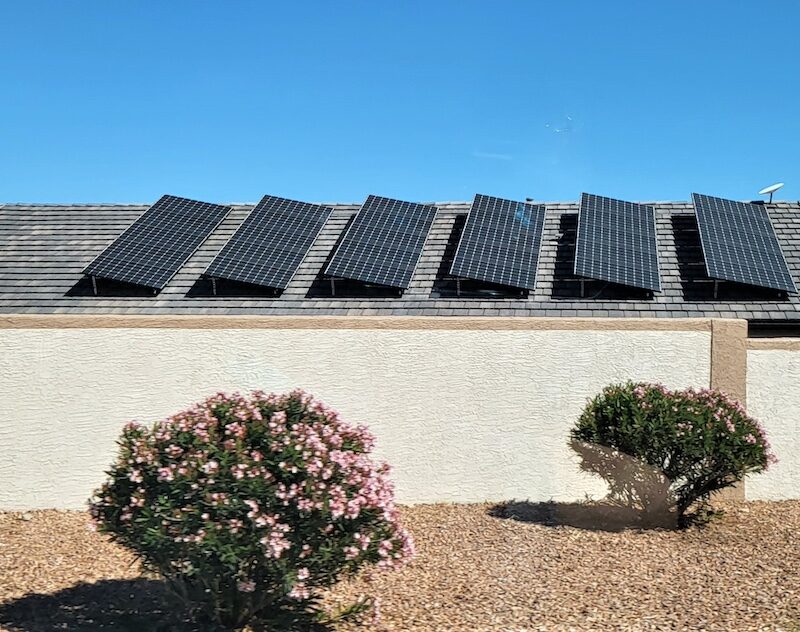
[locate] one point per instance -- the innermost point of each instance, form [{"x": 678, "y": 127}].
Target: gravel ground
[{"x": 474, "y": 571}]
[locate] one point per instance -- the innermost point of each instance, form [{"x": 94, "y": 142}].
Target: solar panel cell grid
[
  {"x": 740, "y": 244},
  {"x": 500, "y": 243},
  {"x": 156, "y": 245},
  {"x": 383, "y": 243},
  {"x": 271, "y": 243},
  {"x": 616, "y": 242}
]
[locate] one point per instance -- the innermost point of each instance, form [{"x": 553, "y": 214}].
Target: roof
[{"x": 44, "y": 248}]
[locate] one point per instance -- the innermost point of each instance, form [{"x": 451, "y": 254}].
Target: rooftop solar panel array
[
  {"x": 739, "y": 243},
  {"x": 616, "y": 242},
  {"x": 155, "y": 246},
  {"x": 271, "y": 243},
  {"x": 383, "y": 243},
  {"x": 500, "y": 243}
]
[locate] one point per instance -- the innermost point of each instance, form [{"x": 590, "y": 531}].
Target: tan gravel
[{"x": 474, "y": 571}]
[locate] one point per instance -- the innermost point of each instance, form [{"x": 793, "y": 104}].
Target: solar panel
[
  {"x": 616, "y": 242},
  {"x": 155, "y": 246},
  {"x": 271, "y": 243},
  {"x": 500, "y": 242},
  {"x": 739, "y": 243},
  {"x": 383, "y": 243}
]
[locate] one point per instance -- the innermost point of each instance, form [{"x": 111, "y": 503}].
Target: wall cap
[
  {"x": 112, "y": 321},
  {"x": 773, "y": 344}
]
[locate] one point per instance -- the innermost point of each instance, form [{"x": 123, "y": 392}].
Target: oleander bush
[
  {"x": 248, "y": 506},
  {"x": 701, "y": 440}
]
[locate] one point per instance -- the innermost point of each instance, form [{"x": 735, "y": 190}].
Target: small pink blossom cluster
[
  {"x": 271, "y": 477},
  {"x": 723, "y": 412}
]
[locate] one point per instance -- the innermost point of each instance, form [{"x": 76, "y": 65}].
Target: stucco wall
[
  {"x": 462, "y": 415},
  {"x": 773, "y": 396}
]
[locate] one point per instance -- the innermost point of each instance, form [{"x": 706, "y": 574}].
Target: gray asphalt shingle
[{"x": 44, "y": 248}]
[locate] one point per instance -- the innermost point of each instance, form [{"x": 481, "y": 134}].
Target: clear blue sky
[{"x": 435, "y": 100}]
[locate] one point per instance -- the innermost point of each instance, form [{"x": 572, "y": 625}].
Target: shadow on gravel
[
  {"x": 592, "y": 516},
  {"x": 124, "y": 605},
  {"x": 134, "y": 605},
  {"x": 638, "y": 497}
]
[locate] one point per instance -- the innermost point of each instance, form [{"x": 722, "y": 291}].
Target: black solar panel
[
  {"x": 383, "y": 243},
  {"x": 155, "y": 246},
  {"x": 616, "y": 242},
  {"x": 271, "y": 243},
  {"x": 739, "y": 243},
  {"x": 500, "y": 242}
]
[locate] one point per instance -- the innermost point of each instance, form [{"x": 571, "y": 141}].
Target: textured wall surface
[
  {"x": 461, "y": 415},
  {"x": 773, "y": 397}
]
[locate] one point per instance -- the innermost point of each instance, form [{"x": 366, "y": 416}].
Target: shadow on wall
[
  {"x": 639, "y": 497},
  {"x": 124, "y": 605}
]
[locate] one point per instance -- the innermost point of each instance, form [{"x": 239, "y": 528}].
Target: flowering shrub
[
  {"x": 701, "y": 440},
  {"x": 247, "y": 506}
]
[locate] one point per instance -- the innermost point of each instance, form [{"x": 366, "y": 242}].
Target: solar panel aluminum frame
[
  {"x": 273, "y": 265},
  {"x": 580, "y": 236},
  {"x": 532, "y": 285},
  {"x": 343, "y": 240},
  {"x": 156, "y": 289},
  {"x": 701, "y": 227}
]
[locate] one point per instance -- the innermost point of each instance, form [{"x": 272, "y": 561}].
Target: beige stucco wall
[
  {"x": 773, "y": 395},
  {"x": 463, "y": 413}
]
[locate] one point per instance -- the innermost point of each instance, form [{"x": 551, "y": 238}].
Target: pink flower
[
  {"x": 165, "y": 474},
  {"x": 299, "y": 592},
  {"x": 351, "y": 552},
  {"x": 246, "y": 586}
]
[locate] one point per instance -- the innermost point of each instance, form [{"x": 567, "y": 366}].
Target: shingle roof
[{"x": 44, "y": 248}]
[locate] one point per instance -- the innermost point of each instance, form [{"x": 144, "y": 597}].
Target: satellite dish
[{"x": 770, "y": 189}]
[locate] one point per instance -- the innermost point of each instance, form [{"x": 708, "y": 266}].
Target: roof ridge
[{"x": 446, "y": 203}]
